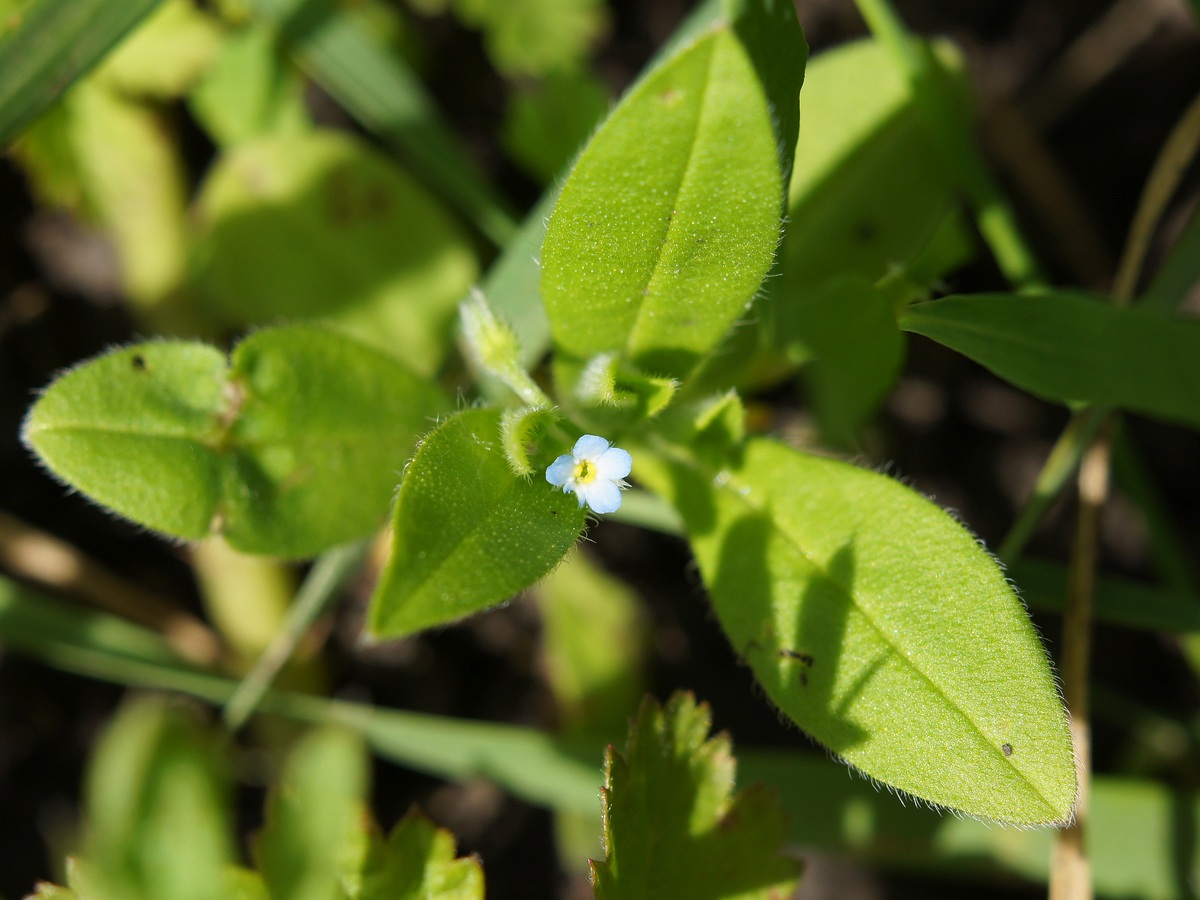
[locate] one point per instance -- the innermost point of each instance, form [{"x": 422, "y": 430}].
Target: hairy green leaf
[
  {"x": 669, "y": 220},
  {"x": 672, "y": 826},
  {"x": 293, "y": 446},
  {"x": 1074, "y": 348},
  {"x": 880, "y": 626},
  {"x": 467, "y": 532},
  {"x": 322, "y": 226}
]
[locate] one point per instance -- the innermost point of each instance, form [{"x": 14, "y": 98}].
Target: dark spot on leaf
[
  {"x": 139, "y": 362},
  {"x": 1006, "y": 749},
  {"x": 866, "y": 232}
]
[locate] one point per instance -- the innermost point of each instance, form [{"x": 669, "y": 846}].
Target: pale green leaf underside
[
  {"x": 467, "y": 532},
  {"x": 669, "y": 220},
  {"x": 1074, "y": 348},
  {"x": 881, "y": 627},
  {"x": 294, "y": 446}
]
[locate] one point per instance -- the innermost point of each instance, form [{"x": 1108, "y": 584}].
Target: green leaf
[
  {"x": 158, "y": 823},
  {"x": 376, "y": 86},
  {"x": 879, "y": 625},
  {"x": 868, "y": 191},
  {"x": 1119, "y": 602},
  {"x": 1180, "y": 271},
  {"x": 594, "y": 642},
  {"x": 167, "y": 53},
  {"x": 857, "y": 818},
  {"x": 322, "y": 226},
  {"x": 1074, "y": 348},
  {"x": 855, "y": 352},
  {"x": 532, "y": 37},
  {"x": 671, "y": 825},
  {"x": 547, "y": 123},
  {"x": 313, "y": 817},
  {"x": 418, "y": 863},
  {"x": 46, "y": 48},
  {"x": 250, "y": 90},
  {"x": 262, "y": 449},
  {"x": 113, "y": 160},
  {"x": 467, "y": 532},
  {"x": 669, "y": 220}
]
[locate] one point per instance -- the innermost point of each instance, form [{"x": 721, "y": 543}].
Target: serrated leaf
[
  {"x": 1072, "y": 347},
  {"x": 313, "y": 817},
  {"x": 467, "y": 532},
  {"x": 669, "y": 220},
  {"x": 158, "y": 823},
  {"x": 879, "y": 625},
  {"x": 292, "y": 447},
  {"x": 672, "y": 826},
  {"x": 322, "y": 226},
  {"x": 418, "y": 863}
]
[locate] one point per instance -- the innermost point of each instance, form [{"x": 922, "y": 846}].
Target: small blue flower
[{"x": 594, "y": 471}]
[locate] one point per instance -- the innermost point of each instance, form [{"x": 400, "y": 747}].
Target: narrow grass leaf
[
  {"x": 46, "y": 48},
  {"x": 1074, "y": 348}
]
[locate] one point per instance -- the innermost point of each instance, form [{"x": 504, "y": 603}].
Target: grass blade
[{"x": 50, "y": 47}]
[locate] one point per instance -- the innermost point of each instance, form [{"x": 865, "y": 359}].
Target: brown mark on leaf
[
  {"x": 138, "y": 362},
  {"x": 1006, "y": 749}
]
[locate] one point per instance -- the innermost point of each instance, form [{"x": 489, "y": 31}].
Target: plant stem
[
  {"x": 1056, "y": 472},
  {"x": 1070, "y": 875},
  {"x": 322, "y": 583}
]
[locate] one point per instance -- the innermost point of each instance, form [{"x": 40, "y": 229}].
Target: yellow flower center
[{"x": 585, "y": 471}]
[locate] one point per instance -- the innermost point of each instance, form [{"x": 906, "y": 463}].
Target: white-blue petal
[
  {"x": 590, "y": 446},
  {"x": 614, "y": 464},
  {"x": 601, "y": 496},
  {"x": 561, "y": 470}
]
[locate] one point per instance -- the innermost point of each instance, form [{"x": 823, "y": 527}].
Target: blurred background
[{"x": 1073, "y": 100}]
